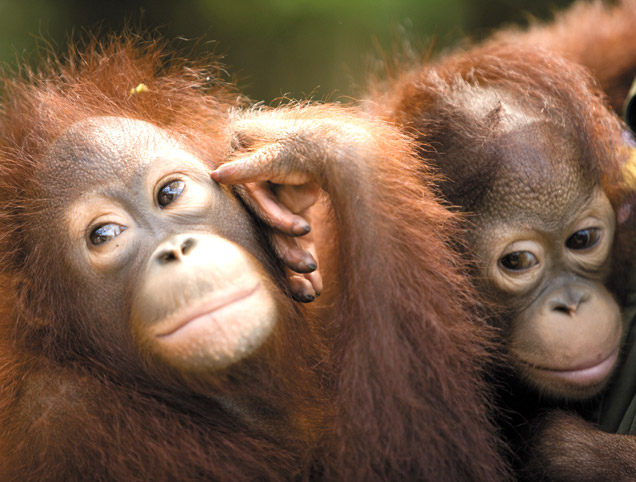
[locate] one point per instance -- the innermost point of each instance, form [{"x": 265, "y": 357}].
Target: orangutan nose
[
  {"x": 174, "y": 249},
  {"x": 568, "y": 300}
]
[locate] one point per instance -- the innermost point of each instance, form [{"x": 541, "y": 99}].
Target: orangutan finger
[
  {"x": 292, "y": 254},
  {"x": 266, "y": 205},
  {"x": 272, "y": 162},
  {"x": 315, "y": 278},
  {"x": 297, "y": 198},
  {"x": 300, "y": 286}
]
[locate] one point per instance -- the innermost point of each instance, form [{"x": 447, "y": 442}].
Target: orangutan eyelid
[
  {"x": 584, "y": 239},
  {"x": 518, "y": 261},
  {"x": 105, "y": 233},
  {"x": 170, "y": 192}
]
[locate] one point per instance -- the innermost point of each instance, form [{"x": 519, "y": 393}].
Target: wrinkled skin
[
  {"x": 543, "y": 237},
  {"x": 541, "y": 233},
  {"x": 144, "y": 213}
]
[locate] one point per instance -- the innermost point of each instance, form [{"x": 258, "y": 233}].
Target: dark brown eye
[
  {"x": 105, "y": 233},
  {"x": 169, "y": 192},
  {"x": 584, "y": 239},
  {"x": 518, "y": 260}
]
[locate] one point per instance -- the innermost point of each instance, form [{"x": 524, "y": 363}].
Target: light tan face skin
[
  {"x": 221, "y": 314},
  {"x": 565, "y": 336},
  {"x": 152, "y": 232},
  {"x": 543, "y": 250}
]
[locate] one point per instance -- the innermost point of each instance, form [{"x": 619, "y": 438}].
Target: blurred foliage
[{"x": 299, "y": 48}]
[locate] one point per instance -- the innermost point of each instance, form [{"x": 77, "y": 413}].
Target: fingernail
[
  {"x": 305, "y": 265},
  {"x": 307, "y": 298},
  {"x": 303, "y": 297},
  {"x": 301, "y": 227}
]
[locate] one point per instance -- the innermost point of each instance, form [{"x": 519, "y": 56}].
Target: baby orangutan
[{"x": 146, "y": 326}]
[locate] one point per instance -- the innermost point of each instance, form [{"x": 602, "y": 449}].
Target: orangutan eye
[
  {"x": 169, "y": 192},
  {"x": 518, "y": 261},
  {"x": 105, "y": 233},
  {"x": 584, "y": 239}
]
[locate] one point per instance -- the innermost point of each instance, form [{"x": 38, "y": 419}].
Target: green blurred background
[{"x": 299, "y": 48}]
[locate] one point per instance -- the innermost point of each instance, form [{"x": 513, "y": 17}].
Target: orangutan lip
[
  {"x": 215, "y": 303},
  {"x": 585, "y": 373}
]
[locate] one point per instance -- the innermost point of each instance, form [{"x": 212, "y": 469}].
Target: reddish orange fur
[
  {"x": 393, "y": 384},
  {"x": 434, "y": 101},
  {"x": 598, "y": 35},
  {"x": 421, "y": 101}
]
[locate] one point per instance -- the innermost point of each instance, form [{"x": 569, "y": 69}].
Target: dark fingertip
[
  {"x": 303, "y": 268},
  {"x": 304, "y": 297},
  {"x": 306, "y": 266},
  {"x": 301, "y": 227}
]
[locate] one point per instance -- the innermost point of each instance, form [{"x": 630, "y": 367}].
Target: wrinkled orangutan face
[
  {"x": 161, "y": 254},
  {"x": 543, "y": 245}
]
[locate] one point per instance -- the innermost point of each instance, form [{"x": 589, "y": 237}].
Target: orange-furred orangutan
[
  {"x": 147, "y": 329},
  {"x": 530, "y": 151},
  {"x": 600, "y": 36}
]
